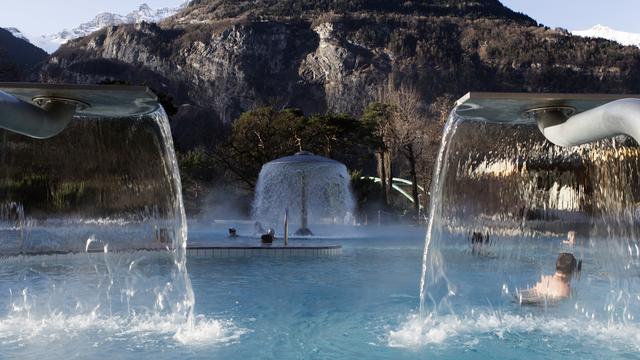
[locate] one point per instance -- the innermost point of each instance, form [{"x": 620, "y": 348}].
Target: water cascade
[
  {"x": 92, "y": 224},
  {"x": 498, "y": 177},
  {"x": 315, "y": 187}
]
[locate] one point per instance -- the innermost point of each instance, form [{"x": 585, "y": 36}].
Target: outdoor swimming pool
[{"x": 361, "y": 304}]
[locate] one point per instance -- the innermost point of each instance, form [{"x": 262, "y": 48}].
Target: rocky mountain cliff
[
  {"x": 17, "y": 56},
  {"x": 218, "y": 58}
]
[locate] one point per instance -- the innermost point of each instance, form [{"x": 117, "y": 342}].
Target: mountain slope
[
  {"x": 605, "y": 32},
  {"x": 223, "y": 57},
  {"x": 17, "y": 56},
  {"x": 206, "y": 10},
  {"x": 16, "y": 33}
]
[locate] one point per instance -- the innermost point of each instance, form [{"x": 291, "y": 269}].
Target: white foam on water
[
  {"x": 206, "y": 332},
  {"x": 416, "y": 333},
  {"x": 18, "y": 329},
  {"x": 57, "y": 326}
]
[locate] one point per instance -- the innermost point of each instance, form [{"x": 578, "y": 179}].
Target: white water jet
[{"x": 435, "y": 206}]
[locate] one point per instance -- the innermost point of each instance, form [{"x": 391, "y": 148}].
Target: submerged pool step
[{"x": 239, "y": 251}]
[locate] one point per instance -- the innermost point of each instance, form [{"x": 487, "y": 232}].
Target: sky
[
  {"x": 40, "y": 17},
  {"x": 581, "y": 14}
]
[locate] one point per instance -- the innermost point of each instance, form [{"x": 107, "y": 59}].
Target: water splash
[
  {"x": 147, "y": 329},
  {"x": 469, "y": 331}
]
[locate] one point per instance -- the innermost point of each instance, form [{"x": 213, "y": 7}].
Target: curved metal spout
[
  {"x": 620, "y": 117},
  {"x": 42, "y": 122}
]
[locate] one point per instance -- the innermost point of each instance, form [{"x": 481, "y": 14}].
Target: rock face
[
  {"x": 223, "y": 57},
  {"x": 344, "y": 70},
  {"x": 228, "y": 72},
  {"x": 17, "y": 56}
]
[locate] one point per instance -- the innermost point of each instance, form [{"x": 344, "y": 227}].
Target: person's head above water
[{"x": 566, "y": 264}]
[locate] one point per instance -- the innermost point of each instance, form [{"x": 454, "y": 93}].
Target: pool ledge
[{"x": 247, "y": 251}]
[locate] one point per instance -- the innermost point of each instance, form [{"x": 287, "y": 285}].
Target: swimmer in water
[
  {"x": 556, "y": 286},
  {"x": 479, "y": 242},
  {"x": 268, "y": 237},
  {"x": 571, "y": 238}
]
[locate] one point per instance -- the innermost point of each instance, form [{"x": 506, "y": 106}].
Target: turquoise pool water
[{"x": 361, "y": 304}]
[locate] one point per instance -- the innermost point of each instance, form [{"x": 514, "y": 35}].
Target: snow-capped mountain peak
[
  {"x": 17, "y": 33},
  {"x": 605, "y": 32},
  {"x": 51, "y": 43},
  {"x": 144, "y": 8}
]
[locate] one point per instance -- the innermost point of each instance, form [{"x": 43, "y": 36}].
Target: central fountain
[{"x": 315, "y": 187}]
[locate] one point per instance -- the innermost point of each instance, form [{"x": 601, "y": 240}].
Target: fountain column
[{"x": 304, "y": 207}]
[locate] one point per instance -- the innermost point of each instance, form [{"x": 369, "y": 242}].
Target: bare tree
[
  {"x": 437, "y": 115},
  {"x": 412, "y": 132},
  {"x": 377, "y": 115},
  {"x": 406, "y": 131}
]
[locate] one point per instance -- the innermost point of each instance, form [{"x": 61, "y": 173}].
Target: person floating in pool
[
  {"x": 233, "y": 232},
  {"x": 267, "y": 239},
  {"x": 553, "y": 287},
  {"x": 478, "y": 243}
]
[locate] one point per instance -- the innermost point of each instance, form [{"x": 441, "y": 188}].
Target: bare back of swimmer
[{"x": 556, "y": 286}]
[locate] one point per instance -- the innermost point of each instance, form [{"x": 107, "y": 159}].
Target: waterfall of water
[
  {"x": 428, "y": 257},
  {"x": 172, "y": 173},
  {"x": 93, "y": 227},
  {"x": 522, "y": 194}
]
